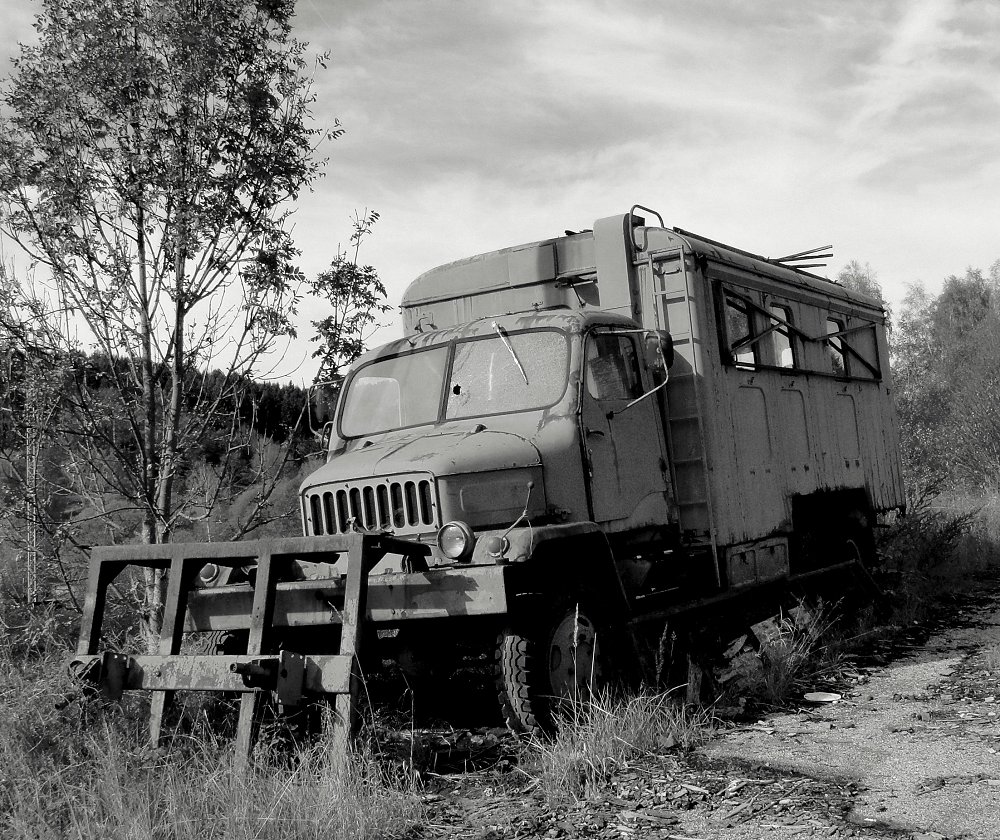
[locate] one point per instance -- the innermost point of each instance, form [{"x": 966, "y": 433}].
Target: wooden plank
[
  {"x": 351, "y": 616},
  {"x": 390, "y": 598}
]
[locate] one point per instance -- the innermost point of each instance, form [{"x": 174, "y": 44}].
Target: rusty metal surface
[
  {"x": 747, "y": 441},
  {"x": 476, "y": 591},
  {"x": 288, "y": 675},
  {"x": 323, "y": 674}
]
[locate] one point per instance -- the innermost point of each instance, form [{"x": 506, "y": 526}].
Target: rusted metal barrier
[{"x": 290, "y": 678}]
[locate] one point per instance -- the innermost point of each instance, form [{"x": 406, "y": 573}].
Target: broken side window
[
  {"x": 740, "y": 332},
  {"x": 782, "y": 341},
  {"x": 612, "y": 367},
  {"x": 835, "y": 347}
]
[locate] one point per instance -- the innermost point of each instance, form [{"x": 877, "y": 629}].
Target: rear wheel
[{"x": 558, "y": 659}]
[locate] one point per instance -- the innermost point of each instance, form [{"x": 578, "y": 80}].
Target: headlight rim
[
  {"x": 470, "y": 541},
  {"x": 212, "y": 577}
]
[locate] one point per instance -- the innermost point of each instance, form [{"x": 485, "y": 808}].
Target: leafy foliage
[
  {"x": 357, "y": 297},
  {"x": 149, "y": 154},
  {"x": 947, "y": 375}
]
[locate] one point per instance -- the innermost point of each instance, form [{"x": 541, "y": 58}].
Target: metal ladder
[{"x": 686, "y": 430}]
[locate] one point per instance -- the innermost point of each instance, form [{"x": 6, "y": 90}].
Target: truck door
[{"x": 624, "y": 446}]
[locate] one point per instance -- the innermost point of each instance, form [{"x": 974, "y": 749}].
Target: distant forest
[{"x": 273, "y": 410}]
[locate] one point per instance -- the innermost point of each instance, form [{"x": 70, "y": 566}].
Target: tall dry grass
[
  {"x": 597, "y": 736},
  {"x": 72, "y": 767}
]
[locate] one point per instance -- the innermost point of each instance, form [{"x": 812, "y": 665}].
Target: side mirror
[
  {"x": 322, "y": 397},
  {"x": 326, "y": 435},
  {"x": 659, "y": 351}
]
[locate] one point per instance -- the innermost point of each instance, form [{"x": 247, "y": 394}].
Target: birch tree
[{"x": 150, "y": 153}]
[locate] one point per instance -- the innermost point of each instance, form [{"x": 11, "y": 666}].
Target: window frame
[
  {"x": 851, "y": 324},
  {"x": 731, "y": 348},
  {"x": 448, "y": 371},
  {"x": 627, "y": 335},
  {"x": 836, "y": 347}
]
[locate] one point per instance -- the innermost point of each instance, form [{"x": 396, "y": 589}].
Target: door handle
[{"x": 595, "y": 433}]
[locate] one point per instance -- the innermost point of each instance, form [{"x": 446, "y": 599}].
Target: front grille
[{"x": 403, "y": 505}]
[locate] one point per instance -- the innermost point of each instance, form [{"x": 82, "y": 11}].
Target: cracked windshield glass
[
  {"x": 503, "y": 373},
  {"x": 509, "y": 372}
]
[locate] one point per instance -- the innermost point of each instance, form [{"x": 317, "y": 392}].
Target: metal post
[
  {"x": 260, "y": 621},
  {"x": 181, "y": 575}
]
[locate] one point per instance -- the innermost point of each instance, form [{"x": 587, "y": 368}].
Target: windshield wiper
[{"x": 500, "y": 331}]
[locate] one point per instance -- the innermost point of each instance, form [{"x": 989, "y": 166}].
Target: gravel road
[
  {"x": 919, "y": 737},
  {"x": 910, "y": 752}
]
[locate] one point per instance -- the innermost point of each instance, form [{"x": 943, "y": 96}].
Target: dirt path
[
  {"x": 920, "y": 738},
  {"x": 911, "y": 752}
]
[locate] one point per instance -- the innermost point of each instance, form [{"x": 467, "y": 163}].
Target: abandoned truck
[{"x": 575, "y": 441}]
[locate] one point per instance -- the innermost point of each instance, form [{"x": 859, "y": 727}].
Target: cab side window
[{"x": 612, "y": 367}]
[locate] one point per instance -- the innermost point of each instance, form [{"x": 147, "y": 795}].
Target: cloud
[
  {"x": 928, "y": 104},
  {"x": 772, "y": 125},
  {"x": 494, "y": 93}
]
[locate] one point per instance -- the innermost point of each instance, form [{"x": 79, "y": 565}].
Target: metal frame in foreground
[{"x": 289, "y": 677}]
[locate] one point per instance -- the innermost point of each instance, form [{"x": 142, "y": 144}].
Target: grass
[
  {"x": 945, "y": 547},
  {"x": 597, "y": 736},
  {"x": 72, "y": 767}
]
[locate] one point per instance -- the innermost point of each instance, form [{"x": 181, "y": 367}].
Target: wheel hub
[{"x": 574, "y": 657}]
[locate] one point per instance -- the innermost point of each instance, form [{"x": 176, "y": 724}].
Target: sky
[{"x": 774, "y": 126}]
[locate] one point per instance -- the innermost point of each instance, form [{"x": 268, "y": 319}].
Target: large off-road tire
[{"x": 555, "y": 659}]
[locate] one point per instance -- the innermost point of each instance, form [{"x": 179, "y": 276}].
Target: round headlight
[
  {"x": 208, "y": 573},
  {"x": 456, "y": 541}
]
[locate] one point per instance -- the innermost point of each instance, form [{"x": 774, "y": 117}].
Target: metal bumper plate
[{"x": 475, "y": 590}]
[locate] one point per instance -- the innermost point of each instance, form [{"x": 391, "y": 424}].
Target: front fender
[{"x": 554, "y": 559}]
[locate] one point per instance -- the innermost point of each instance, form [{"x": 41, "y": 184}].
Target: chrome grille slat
[{"x": 404, "y": 504}]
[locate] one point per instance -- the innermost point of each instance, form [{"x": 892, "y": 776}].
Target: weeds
[
  {"x": 792, "y": 655},
  {"x": 597, "y": 736},
  {"x": 72, "y": 767},
  {"x": 943, "y": 547}
]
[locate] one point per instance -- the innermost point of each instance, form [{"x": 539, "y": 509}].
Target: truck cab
[{"x": 503, "y": 425}]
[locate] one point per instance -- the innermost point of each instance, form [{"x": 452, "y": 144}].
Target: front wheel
[{"x": 558, "y": 659}]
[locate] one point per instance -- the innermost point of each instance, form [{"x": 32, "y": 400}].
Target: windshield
[{"x": 498, "y": 374}]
